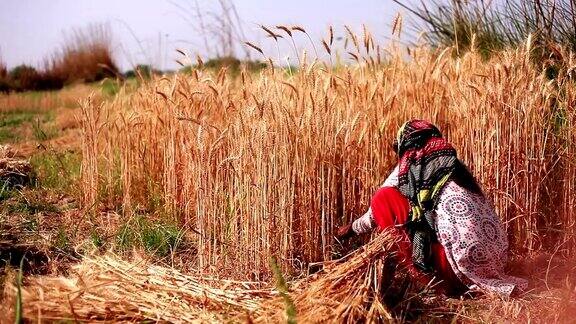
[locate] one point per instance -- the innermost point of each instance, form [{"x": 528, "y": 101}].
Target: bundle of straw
[
  {"x": 352, "y": 289},
  {"x": 106, "y": 288}
]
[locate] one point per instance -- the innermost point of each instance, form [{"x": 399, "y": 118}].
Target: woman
[{"x": 448, "y": 229}]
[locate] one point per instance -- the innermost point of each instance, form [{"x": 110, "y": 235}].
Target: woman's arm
[{"x": 365, "y": 223}]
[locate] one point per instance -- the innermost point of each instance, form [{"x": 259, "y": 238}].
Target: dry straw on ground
[
  {"x": 108, "y": 288},
  {"x": 358, "y": 287},
  {"x": 350, "y": 290}
]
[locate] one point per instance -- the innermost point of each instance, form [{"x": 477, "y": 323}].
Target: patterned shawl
[{"x": 426, "y": 163}]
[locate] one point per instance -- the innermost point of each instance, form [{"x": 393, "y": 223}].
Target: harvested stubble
[
  {"x": 13, "y": 172},
  {"x": 270, "y": 164},
  {"x": 106, "y": 288},
  {"x": 46, "y": 101}
]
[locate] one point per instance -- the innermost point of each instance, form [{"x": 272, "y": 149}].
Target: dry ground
[{"x": 41, "y": 220}]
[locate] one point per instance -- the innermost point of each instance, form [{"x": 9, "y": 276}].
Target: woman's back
[
  {"x": 471, "y": 233},
  {"x": 475, "y": 243}
]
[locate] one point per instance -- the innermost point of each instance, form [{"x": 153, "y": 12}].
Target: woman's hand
[{"x": 345, "y": 232}]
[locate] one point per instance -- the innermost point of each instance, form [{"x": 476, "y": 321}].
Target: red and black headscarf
[{"x": 426, "y": 162}]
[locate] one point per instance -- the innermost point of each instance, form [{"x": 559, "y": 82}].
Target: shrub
[
  {"x": 143, "y": 71},
  {"x": 24, "y": 77},
  {"x": 86, "y": 56},
  {"x": 3, "y": 69},
  {"x": 4, "y": 84}
]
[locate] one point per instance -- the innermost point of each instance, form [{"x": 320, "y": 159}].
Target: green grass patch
[
  {"x": 42, "y": 132},
  {"x": 6, "y": 191},
  {"x": 97, "y": 239},
  {"x": 110, "y": 87},
  {"x": 154, "y": 236},
  {"x": 282, "y": 288},
  {"x": 14, "y": 123},
  {"x": 10, "y": 122},
  {"x": 16, "y": 118},
  {"x": 27, "y": 205},
  {"x": 18, "y": 318},
  {"x": 62, "y": 241},
  {"x": 8, "y": 136},
  {"x": 57, "y": 170},
  {"x": 31, "y": 206}
]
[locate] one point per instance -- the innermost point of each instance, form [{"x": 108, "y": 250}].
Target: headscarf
[{"x": 426, "y": 162}]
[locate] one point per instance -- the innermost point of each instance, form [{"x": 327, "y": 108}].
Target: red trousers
[{"x": 390, "y": 208}]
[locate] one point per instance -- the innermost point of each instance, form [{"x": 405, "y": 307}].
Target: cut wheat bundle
[{"x": 355, "y": 288}]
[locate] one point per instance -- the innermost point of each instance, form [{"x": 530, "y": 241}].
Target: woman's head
[{"x": 414, "y": 134}]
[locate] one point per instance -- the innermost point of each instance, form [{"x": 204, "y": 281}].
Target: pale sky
[{"x": 149, "y": 31}]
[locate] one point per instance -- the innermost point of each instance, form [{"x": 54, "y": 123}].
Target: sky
[{"x": 150, "y": 31}]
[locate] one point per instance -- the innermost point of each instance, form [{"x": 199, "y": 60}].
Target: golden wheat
[{"x": 270, "y": 164}]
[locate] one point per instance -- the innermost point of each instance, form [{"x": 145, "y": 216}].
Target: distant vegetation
[
  {"x": 86, "y": 56},
  {"x": 4, "y": 86},
  {"x": 233, "y": 64},
  {"x": 144, "y": 71}
]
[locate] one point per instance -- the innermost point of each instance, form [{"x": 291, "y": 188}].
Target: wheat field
[{"x": 268, "y": 164}]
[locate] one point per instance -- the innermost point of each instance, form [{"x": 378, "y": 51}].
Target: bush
[
  {"x": 85, "y": 57},
  {"x": 143, "y": 71},
  {"x": 23, "y": 77},
  {"x": 4, "y": 84},
  {"x": 3, "y": 69}
]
